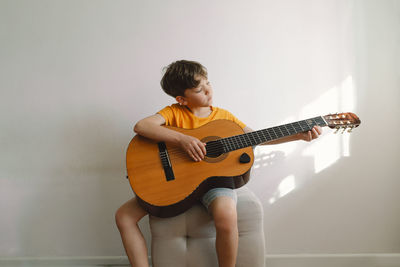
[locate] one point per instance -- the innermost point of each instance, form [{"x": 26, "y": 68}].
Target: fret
[
  {"x": 260, "y": 139},
  {"x": 288, "y": 130},
  {"x": 244, "y": 138},
  {"x": 235, "y": 142},
  {"x": 232, "y": 144},
  {"x": 247, "y": 136},
  {"x": 307, "y": 125},
  {"x": 284, "y": 130},
  {"x": 273, "y": 131},
  {"x": 294, "y": 129},
  {"x": 299, "y": 123},
  {"x": 320, "y": 121},
  {"x": 231, "y": 141},
  {"x": 281, "y": 132},
  {"x": 266, "y": 135},
  {"x": 255, "y": 137},
  {"x": 310, "y": 124},
  {"x": 242, "y": 144},
  {"x": 224, "y": 145},
  {"x": 239, "y": 141},
  {"x": 302, "y": 126},
  {"x": 249, "y": 141},
  {"x": 269, "y": 134},
  {"x": 263, "y": 136},
  {"x": 253, "y": 141}
]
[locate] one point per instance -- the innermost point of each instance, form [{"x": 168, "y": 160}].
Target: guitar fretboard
[{"x": 258, "y": 137}]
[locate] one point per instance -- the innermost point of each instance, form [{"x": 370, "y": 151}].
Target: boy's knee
[
  {"x": 226, "y": 223},
  {"x": 119, "y": 218},
  {"x": 129, "y": 214},
  {"x": 123, "y": 219},
  {"x": 225, "y": 218}
]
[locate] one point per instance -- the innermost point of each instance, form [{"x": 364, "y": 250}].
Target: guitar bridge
[{"x": 166, "y": 163}]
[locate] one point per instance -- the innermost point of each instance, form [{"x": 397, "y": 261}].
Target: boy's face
[{"x": 200, "y": 96}]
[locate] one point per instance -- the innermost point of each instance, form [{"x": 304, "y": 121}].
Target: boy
[{"x": 187, "y": 82}]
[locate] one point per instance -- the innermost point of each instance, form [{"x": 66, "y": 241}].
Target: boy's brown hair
[{"x": 181, "y": 75}]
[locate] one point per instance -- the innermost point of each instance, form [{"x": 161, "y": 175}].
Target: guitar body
[{"x": 167, "y": 193}]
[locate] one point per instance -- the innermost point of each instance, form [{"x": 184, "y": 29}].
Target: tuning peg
[
  {"x": 337, "y": 129},
  {"x": 350, "y": 129},
  {"x": 344, "y": 129}
]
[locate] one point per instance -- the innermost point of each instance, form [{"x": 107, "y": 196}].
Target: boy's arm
[
  {"x": 151, "y": 127},
  {"x": 306, "y": 136}
]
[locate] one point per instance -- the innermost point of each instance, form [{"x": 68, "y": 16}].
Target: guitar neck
[{"x": 258, "y": 137}]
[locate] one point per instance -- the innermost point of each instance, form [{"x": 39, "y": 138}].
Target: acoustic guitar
[{"x": 167, "y": 181}]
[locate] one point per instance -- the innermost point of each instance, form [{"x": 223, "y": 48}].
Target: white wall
[{"x": 76, "y": 75}]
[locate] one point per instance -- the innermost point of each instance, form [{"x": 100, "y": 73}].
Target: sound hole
[{"x": 214, "y": 148}]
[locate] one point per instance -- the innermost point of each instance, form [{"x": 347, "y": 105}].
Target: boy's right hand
[{"x": 193, "y": 147}]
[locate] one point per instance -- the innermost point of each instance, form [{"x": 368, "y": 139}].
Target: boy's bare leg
[
  {"x": 127, "y": 218},
  {"x": 224, "y": 214}
]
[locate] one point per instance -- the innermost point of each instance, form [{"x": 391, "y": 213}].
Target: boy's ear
[{"x": 181, "y": 100}]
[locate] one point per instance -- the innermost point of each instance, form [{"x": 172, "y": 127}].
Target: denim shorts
[{"x": 212, "y": 194}]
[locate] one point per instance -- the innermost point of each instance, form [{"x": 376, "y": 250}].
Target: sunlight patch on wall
[
  {"x": 330, "y": 147},
  {"x": 324, "y": 151},
  {"x": 285, "y": 187},
  {"x": 347, "y": 103}
]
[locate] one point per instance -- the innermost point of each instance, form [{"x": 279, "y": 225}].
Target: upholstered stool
[{"x": 188, "y": 240}]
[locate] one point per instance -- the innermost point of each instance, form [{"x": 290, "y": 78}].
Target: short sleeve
[{"x": 167, "y": 114}]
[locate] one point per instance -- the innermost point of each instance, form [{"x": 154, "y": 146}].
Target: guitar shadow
[{"x": 276, "y": 174}]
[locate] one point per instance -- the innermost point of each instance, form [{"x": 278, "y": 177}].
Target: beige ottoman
[{"x": 188, "y": 240}]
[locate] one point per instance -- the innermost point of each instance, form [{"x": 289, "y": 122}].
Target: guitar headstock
[{"x": 342, "y": 121}]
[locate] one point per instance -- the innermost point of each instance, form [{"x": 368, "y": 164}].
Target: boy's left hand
[{"x": 315, "y": 132}]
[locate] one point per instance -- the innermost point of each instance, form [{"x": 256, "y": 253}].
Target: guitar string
[
  {"x": 213, "y": 148},
  {"x": 234, "y": 141},
  {"x": 239, "y": 141},
  {"x": 179, "y": 151}
]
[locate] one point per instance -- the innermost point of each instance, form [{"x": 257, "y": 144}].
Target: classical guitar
[{"x": 167, "y": 182}]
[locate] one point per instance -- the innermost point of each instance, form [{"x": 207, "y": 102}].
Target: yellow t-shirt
[{"x": 180, "y": 116}]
